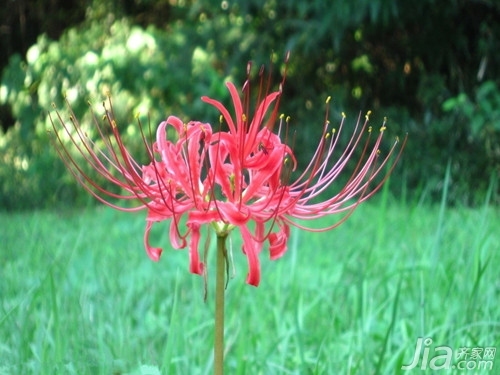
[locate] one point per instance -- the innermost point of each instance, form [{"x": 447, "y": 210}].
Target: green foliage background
[{"x": 430, "y": 66}]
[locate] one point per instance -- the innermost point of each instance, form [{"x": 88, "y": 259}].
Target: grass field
[{"x": 79, "y": 296}]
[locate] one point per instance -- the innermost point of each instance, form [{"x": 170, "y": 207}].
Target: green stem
[{"x": 220, "y": 286}]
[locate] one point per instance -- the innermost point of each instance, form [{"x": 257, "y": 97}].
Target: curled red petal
[
  {"x": 223, "y": 110},
  {"x": 251, "y": 250},
  {"x": 234, "y": 213},
  {"x": 278, "y": 241},
  {"x": 153, "y": 252},
  {"x": 195, "y": 266}
]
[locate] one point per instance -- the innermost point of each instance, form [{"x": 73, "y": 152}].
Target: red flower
[{"x": 239, "y": 178}]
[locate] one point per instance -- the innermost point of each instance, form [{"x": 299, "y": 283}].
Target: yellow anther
[
  {"x": 327, "y": 135},
  {"x": 369, "y": 129},
  {"x": 334, "y": 131},
  {"x": 113, "y": 124},
  {"x": 378, "y": 152},
  {"x": 221, "y": 118},
  {"x": 383, "y": 128},
  {"x": 328, "y": 99},
  {"x": 343, "y": 115},
  {"x": 282, "y": 116},
  {"x": 244, "y": 117},
  {"x": 288, "y": 118},
  {"x": 397, "y": 139},
  {"x": 231, "y": 181}
]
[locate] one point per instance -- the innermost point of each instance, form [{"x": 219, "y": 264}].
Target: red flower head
[{"x": 239, "y": 178}]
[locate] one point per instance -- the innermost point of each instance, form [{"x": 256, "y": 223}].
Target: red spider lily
[{"x": 227, "y": 179}]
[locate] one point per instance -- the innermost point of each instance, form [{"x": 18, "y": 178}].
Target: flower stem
[{"x": 219, "y": 306}]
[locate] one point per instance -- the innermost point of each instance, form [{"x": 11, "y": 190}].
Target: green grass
[{"x": 79, "y": 296}]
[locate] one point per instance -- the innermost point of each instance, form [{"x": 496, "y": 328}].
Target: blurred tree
[
  {"x": 401, "y": 59},
  {"x": 21, "y": 21}
]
